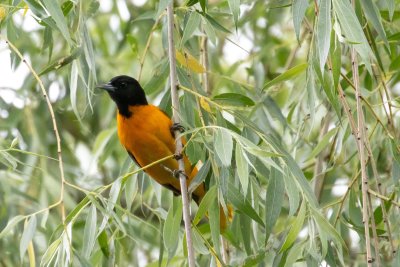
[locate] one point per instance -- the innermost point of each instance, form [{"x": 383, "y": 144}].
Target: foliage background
[{"x": 273, "y": 131}]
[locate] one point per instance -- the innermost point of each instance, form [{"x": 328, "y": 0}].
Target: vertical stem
[
  {"x": 178, "y": 141},
  {"x": 361, "y": 149},
  {"x": 204, "y": 58}
]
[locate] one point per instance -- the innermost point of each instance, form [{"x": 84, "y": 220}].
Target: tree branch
[{"x": 178, "y": 141}]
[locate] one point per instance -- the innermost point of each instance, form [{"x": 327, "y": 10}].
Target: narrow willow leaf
[
  {"x": 327, "y": 228},
  {"x": 286, "y": 75},
  {"x": 293, "y": 193},
  {"x": 324, "y": 31},
  {"x": 171, "y": 229},
  {"x": 322, "y": 143},
  {"x": 102, "y": 239},
  {"x": 242, "y": 204},
  {"x": 234, "y": 6},
  {"x": 273, "y": 200},
  {"x": 205, "y": 204},
  {"x": 200, "y": 176},
  {"x": 210, "y": 32},
  {"x": 223, "y": 145},
  {"x": 89, "y": 233},
  {"x": 131, "y": 189},
  {"x": 114, "y": 193},
  {"x": 353, "y": 31},
  {"x": 53, "y": 7},
  {"x": 62, "y": 62},
  {"x": 11, "y": 224},
  {"x": 73, "y": 85},
  {"x": 391, "y": 6},
  {"x": 336, "y": 62},
  {"x": 299, "y": 8},
  {"x": 198, "y": 243},
  {"x": 234, "y": 99},
  {"x": 295, "y": 229},
  {"x": 215, "y": 24},
  {"x": 242, "y": 167},
  {"x": 50, "y": 252},
  {"x": 191, "y": 25},
  {"x": 373, "y": 15},
  {"x": 189, "y": 62},
  {"x": 294, "y": 253},
  {"x": 27, "y": 235}
]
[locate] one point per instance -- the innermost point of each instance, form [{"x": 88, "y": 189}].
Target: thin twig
[
  {"x": 54, "y": 122},
  {"x": 143, "y": 57},
  {"x": 361, "y": 149},
  {"x": 382, "y": 197},
  {"x": 178, "y": 141}
]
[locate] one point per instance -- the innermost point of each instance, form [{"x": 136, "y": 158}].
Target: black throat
[{"x": 124, "y": 104}]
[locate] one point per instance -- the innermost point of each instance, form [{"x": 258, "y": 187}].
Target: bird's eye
[{"x": 123, "y": 84}]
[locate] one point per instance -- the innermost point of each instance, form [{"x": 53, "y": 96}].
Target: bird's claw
[
  {"x": 178, "y": 156},
  {"x": 177, "y": 173},
  {"x": 177, "y": 127}
]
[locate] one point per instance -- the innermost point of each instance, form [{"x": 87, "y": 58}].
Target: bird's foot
[
  {"x": 178, "y": 173},
  {"x": 178, "y": 156},
  {"x": 177, "y": 127}
]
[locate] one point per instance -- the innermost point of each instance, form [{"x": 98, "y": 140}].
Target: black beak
[{"x": 107, "y": 86}]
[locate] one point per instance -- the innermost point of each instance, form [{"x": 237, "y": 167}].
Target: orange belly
[{"x": 146, "y": 135}]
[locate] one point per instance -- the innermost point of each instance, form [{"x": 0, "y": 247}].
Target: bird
[{"x": 147, "y": 134}]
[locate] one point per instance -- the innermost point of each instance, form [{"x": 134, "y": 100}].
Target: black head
[{"x": 125, "y": 91}]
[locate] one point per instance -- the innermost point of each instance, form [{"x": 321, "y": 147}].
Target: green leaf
[
  {"x": 210, "y": 32},
  {"x": 336, "y": 62},
  {"x": 56, "y": 13},
  {"x": 299, "y": 8},
  {"x": 27, "y": 235},
  {"x": 102, "y": 239},
  {"x": 215, "y": 24},
  {"x": 391, "y": 7},
  {"x": 373, "y": 15},
  {"x": 322, "y": 143},
  {"x": 200, "y": 177},
  {"x": 243, "y": 205},
  {"x": 191, "y": 2},
  {"x": 131, "y": 189},
  {"x": 66, "y": 7},
  {"x": 324, "y": 31},
  {"x": 242, "y": 167},
  {"x": 62, "y": 62},
  {"x": 234, "y": 6},
  {"x": 11, "y": 224},
  {"x": 171, "y": 228},
  {"x": 133, "y": 43},
  {"x": 233, "y": 99},
  {"x": 274, "y": 200},
  {"x": 50, "y": 253},
  {"x": 89, "y": 233},
  {"x": 325, "y": 227},
  {"x": 198, "y": 243},
  {"x": 191, "y": 25},
  {"x": 205, "y": 204},
  {"x": 287, "y": 75},
  {"x": 73, "y": 85},
  {"x": 295, "y": 229},
  {"x": 353, "y": 30},
  {"x": 223, "y": 145}
]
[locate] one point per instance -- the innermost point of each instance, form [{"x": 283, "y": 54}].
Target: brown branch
[
  {"x": 178, "y": 141},
  {"x": 54, "y": 122}
]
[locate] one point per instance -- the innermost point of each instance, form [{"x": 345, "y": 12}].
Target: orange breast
[{"x": 146, "y": 135}]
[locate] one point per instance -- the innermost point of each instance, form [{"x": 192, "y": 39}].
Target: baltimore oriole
[{"x": 146, "y": 132}]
